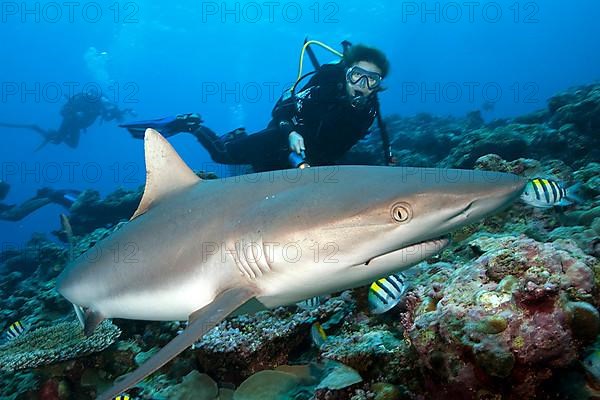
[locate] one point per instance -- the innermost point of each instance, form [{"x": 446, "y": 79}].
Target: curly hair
[{"x": 360, "y": 52}]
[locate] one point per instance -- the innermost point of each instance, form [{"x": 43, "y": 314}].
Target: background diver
[
  {"x": 319, "y": 124},
  {"x": 78, "y": 114},
  {"x": 43, "y": 197}
]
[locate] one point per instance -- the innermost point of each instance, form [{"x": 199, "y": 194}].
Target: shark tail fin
[{"x": 200, "y": 322}]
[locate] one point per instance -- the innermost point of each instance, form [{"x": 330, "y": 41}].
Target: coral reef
[
  {"x": 509, "y": 310},
  {"x": 60, "y": 342},
  {"x": 246, "y": 344},
  {"x": 567, "y": 129},
  {"x": 504, "y": 321}
]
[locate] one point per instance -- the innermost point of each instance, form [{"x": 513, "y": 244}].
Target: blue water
[{"x": 447, "y": 58}]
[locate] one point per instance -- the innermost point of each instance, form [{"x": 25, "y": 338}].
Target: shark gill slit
[
  {"x": 238, "y": 262},
  {"x": 263, "y": 259},
  {"x": 240, "y": 255}
]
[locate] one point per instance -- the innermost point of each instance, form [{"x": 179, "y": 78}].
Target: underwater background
[
  {"x": 446, "y": 59},
  {"x": 508, "y": 86}
]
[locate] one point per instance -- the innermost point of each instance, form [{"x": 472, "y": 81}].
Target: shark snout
[
  {"x": 503, "y": 188},
  {"x": 489, "y": 194}
]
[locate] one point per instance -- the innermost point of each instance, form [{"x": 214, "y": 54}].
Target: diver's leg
[
  {"x": 213, "y": 144},
  {"x": 256, "y": 149},
  {"x": 71, "y": 138}
]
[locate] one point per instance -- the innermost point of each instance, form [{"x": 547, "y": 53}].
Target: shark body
[{"x": 200, "y": 250}]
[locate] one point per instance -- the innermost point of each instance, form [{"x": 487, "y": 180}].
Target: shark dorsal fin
[{"x": 165, "y": 171}]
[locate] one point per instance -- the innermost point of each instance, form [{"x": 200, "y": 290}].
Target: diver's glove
[{"x": 296, "y": 142}]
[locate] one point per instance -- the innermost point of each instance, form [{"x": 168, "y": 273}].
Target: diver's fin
[
  {"x": 32, "y": 127},
  {"x": 200, "y": 322},
  {"x": 165, "y": 171},
  {"x": 138, "y": 128}
]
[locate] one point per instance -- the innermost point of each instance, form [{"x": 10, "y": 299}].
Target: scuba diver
[
  {"x": 318, "y": 124},
  {"x": 78, "y": 114},
  {"x": 43, "y": 197}
]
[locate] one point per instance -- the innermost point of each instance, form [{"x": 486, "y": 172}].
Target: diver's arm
[
  {"x": 17, "y": 213},
  {"x": 287, "y": 122}
]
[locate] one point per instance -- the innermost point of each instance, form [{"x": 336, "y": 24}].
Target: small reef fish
[
  {"x": 385, "y": 293},
  {"x": 317, "y": 334},
  {"x": 546, "y": 193},
  {"x": 15, "y": 330},
  {"x": 311, "y": 303}
]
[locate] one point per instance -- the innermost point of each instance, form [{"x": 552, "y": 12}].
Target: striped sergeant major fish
[
  {"x": 311, "y": 303},
  {"x": 546, "y": 193},
  {"x": 15, "y": 330},
  {"x": 385, "y": 293}
]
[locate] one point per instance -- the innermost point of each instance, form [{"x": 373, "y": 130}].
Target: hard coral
[
  {"x": 56, "y": 343},
  {"x": 511, "y": 315}
]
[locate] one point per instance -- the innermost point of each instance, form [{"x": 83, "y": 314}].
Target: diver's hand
[{"x": 296, "y": 142}]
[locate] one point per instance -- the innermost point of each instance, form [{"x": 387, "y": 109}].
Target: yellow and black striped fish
[
  {"x": 546, "y": 193},
  {"x": 385, "y": 293},
  {"x": 122, "y": 397},
  {"x": 310, "y": 304},
  {"x": 15, "y": 330}
]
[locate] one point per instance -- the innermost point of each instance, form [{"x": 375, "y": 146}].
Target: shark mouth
[{"x": 418, "y": 251}]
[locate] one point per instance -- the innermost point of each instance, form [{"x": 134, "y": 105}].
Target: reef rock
[{"x": 505, "y": 321}]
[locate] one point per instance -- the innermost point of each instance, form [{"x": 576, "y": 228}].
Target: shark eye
[{"x": 401, "y": 212}]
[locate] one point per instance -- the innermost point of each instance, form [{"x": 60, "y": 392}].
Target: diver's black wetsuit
[
  {"x": 322, "y": 112},
  {"x": 78, "y": 114}
]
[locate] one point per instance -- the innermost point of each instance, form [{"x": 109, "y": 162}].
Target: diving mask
[{"x": 357, "y": 75}]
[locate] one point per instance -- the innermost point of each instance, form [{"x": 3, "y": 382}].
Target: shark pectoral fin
[
  {"x": 165, "y": 171},
  {"x": 200, "y": 322},
  {"x": 88, "y": 319},
  {"x": 252, "y": 306}
]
